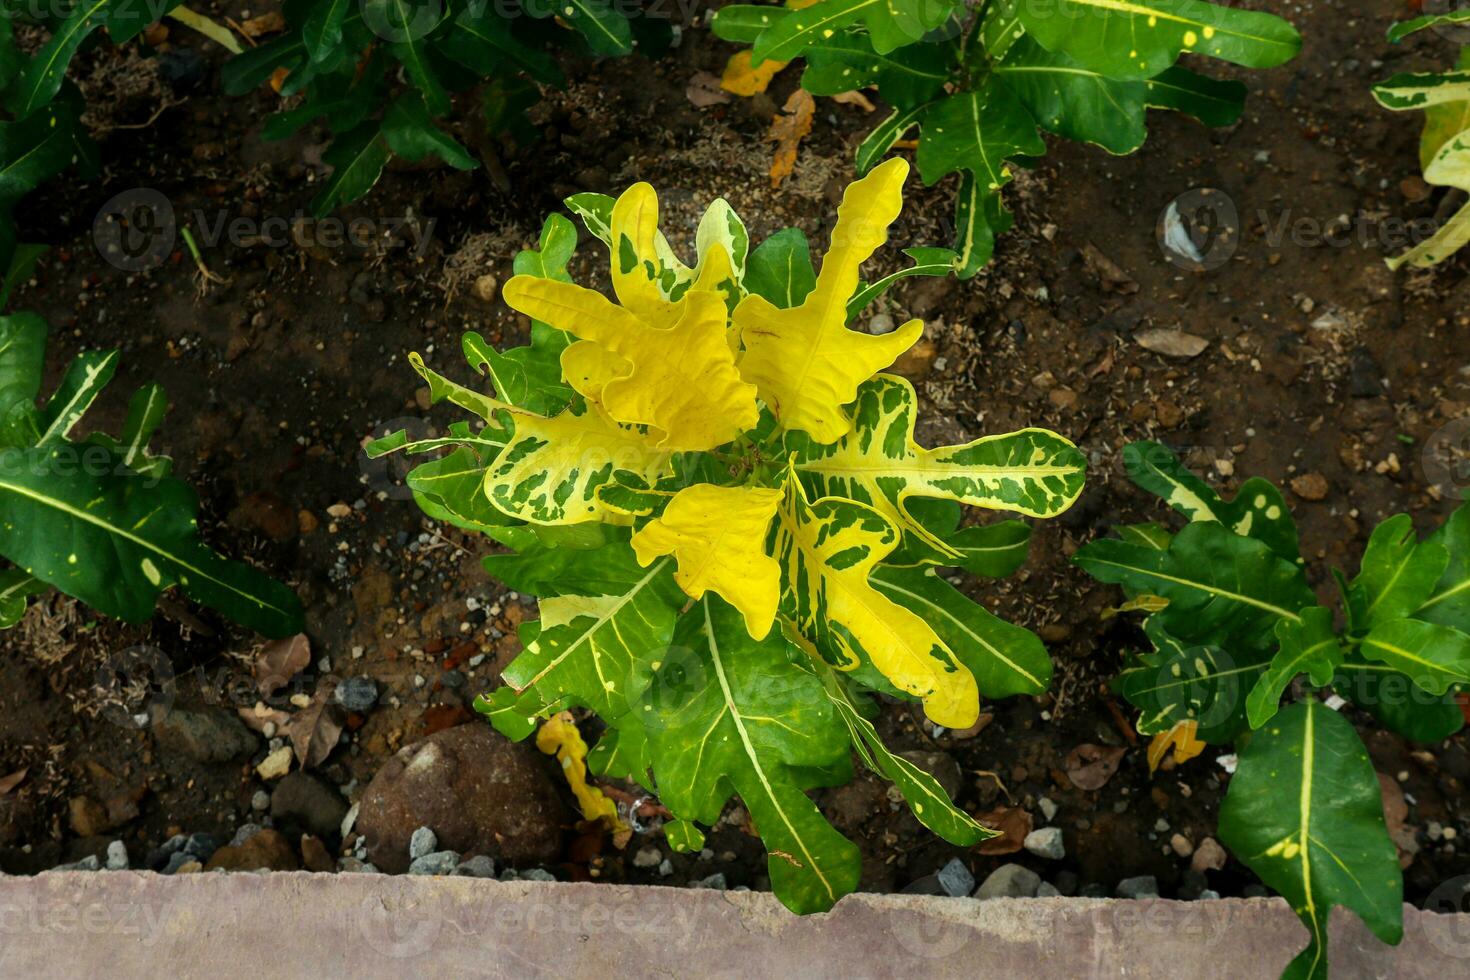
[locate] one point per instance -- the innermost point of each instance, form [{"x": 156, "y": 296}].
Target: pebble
[
  {"x": 478, "y": 866},
  {"x": 117, "y": 856},
  {"x": 1048, "y": 808},
  {"x": 260, "y": 801},
  {"x": 956, "y": 879},
  {"x": 357, "y": 694},
  {"x": 275, "y": 765},
  {"x": 665, "y": 868},
  {"x": 1046, "y": 843},
  {"x": 355, "y": 865},
  {"x": 1048, "y": 890},
  {"x": 88, "y": 863},
  {"x": 1208, "y": 856},
  {"x": 421, "y": 843},
  {"x": 648, "y": 857},
  {"x": 1310, "y": 486},
  {"x": 1009, "y": 881},
  {"x": 715, "y": 881},
  {"x": 436, "y": 863},
  {"x": 1141, "y": 886},
  {"x": 537, "y": 874},
  {"x": 1181, "y": 845}
]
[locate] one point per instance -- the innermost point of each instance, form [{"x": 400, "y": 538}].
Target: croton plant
[
  {"x": 1233, "y": 624},
  {"x": 734, "y": 537}
]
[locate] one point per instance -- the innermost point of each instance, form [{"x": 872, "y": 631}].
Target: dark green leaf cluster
[
  {"x": 1239, "y": 625},
  {"x": 383, "y": 73},
  {"x": 979, "y": 85},
  {"x": 100, "y": 518}
]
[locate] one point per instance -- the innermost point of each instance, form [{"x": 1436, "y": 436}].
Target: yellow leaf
[
  {"x": 827, "y": 550},
  {"x": 679, "y": 380},
  {"x": 1181, "y": 739},
  {"x": 1145, "y": 603},
  {"x": 559, "y": 737},
  {"x": 788, "y": 128},
  {"x": 804, "y": 361},
  {"x": 718, "y": 536},
  {"x": 742, "y": 79}
]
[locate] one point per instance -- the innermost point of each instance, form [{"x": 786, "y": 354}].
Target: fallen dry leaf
[
  {"x": 788, "y": 128},
  {"x": 1107, "y": 272},
  {"x": 278, "y": 79},
  {"x": 854, "y": 98},
  {"x": 1395, "y": 811},
  {"x": 741, "y": 79},
  {"x": 1091, "y": 766},
  {"x": 1013, "y": 823},
  {"x": 10, "y": 782},
  {"x": 280, "y": 661},
  {"x": 1171, "y": 343},
  {"x": 1181, "y": 738},
  {"x": 704, "y": 90},
  {"x": 315, "y": 729},
  {"x": 271, "y": 23}
]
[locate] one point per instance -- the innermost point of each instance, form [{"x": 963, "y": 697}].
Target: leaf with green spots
[
  {"x": 1258, "y": 509},
  {"x": 1179, "y": 682},
  {"x": 1141, "y": 38},
  {"x": 1304, "y": 812}
]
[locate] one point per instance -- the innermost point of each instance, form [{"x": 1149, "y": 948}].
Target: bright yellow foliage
[
  {"x": 1181, "y": 738},
  {"x": 718, "y": 536},
  {"x": 559, "y": 736},
  {"x": 805, "y": 361}
]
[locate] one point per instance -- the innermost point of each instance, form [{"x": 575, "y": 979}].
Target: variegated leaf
[
  {"x": 1309, "y": 647},
  {"x": 804, "y": 361},
  {"x": 1033, "y": 472},
  {"x": 827, "y": 550},
  {"x": 718, "y": 537}
]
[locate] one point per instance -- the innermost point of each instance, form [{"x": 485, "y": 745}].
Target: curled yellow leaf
[
  {"x": 718, "y": 537},
  {"x": 741, "y": 79},
  {"x": 804, "y": 361},
  {"x": 1181, "y": 738},
  {"x": 559, "y": 737}
]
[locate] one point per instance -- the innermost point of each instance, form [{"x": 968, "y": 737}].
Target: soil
[{"x": 1319, "y": 361}]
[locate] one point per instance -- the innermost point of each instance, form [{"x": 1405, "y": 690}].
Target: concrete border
[{"x": 139, "y": 924}]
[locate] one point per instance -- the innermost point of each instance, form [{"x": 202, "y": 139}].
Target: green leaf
[
  {"x": 929, "y": 802},
  {"x": 1421, "y": 90},
  {"x": 1308, "y": 647},
  {"x": 41, "y": 78},
  {"x": 15, "y": 588},
  {"x": 1398, "y": 575},
  {"x": 847, "y": 61},
  {"x": 1403, "y": 29},
  {"x": 33, "y": 150},
  {"x": 894, "y": 127},
  {"x": 1072, "y": 101},
  {"x": 927, "y": 262},
  {"x": 1449, "y": 604},
  {"x": 84, "y": 380},
  {"x": 412, "y": 134},
  {"x": 977, "y": 132},
  {"x": 482, "y": 37},
  {"x": 1180, "y": 682},
  {"x": 992, "y": 550},
  {"x": 357, "y": 159},
  {"x": 19, "y": 267},
  {"x": 605, "y": 623},
  {"x": 1210, "y": 100},
  {"x": 780, "y": 269},
  {"x": 1141, "y": 38},
  {"x": 683, "y": 837},
  {"x": 92, "y": 528},
  {"x": 1257, "y": 511},
  {"x": 1219, "y": 585},
  {"x": 1304, "y": 812},
  {"x": 1432, "y": 656},
  {"x": 254, "y": 66},
  {"x": 452, "y": 488},
  {"x": 322, "y": 31},
  {"x": 748, "y": 728},
  {"x": 22, "y": 359},
  {"x": 1004, "y": 658},
  {"x": 1398, "y": 703},
  {"x": 743, "y": 22},
  {"x": 605, "y": 29}
]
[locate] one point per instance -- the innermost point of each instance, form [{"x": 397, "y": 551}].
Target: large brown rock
[
  {"x": 478, "y": 791},
  {"x": 264, "y": 849}
]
